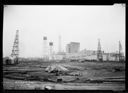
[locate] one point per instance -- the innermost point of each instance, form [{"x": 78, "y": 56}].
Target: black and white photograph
[{"x": 64, "y": 47}]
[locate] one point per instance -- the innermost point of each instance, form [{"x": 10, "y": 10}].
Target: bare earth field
[{"x": 81, "y": 76}]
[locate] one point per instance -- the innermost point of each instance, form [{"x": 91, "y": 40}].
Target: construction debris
[{"x": 54, "y": 68}]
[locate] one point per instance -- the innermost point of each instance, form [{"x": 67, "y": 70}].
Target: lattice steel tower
[
  {"x": 99, "y": 52},
  {"x": 121, "y": 56},
  {"x": 15, "y": 50}
]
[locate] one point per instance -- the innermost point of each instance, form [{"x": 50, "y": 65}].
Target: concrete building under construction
[
  {"x": 51, "y": 57},
  {"x": 45, "y": 48},
  {"x": 73, "y": 47}
]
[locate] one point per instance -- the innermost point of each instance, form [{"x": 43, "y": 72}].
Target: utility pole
[{"x": 99, "y": 52}]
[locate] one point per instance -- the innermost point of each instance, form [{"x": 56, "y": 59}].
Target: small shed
[{"x": 11, "y": 60}]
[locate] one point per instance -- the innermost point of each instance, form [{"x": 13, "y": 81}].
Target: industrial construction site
[
  {"x": 73, "y": 70},
  {"x": 64, "y": 47}
]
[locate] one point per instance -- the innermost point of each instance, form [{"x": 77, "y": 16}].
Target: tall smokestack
[{"x": 59, "y": 44}]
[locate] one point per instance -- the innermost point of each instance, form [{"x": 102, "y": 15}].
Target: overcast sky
[{"x": 75, "y": 23}]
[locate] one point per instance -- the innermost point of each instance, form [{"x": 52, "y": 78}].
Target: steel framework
[
  {"x": 99, "y": 52},
  {"x": 15, "y": 50}
]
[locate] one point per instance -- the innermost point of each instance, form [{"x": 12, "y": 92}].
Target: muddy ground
[{"x": 81, "y": 76}]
